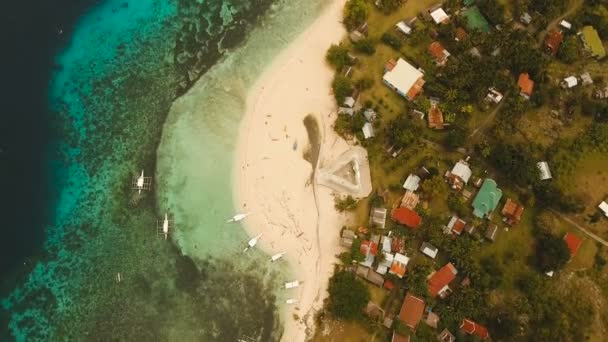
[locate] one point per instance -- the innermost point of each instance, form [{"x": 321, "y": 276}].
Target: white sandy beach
[{"x": 272, "y": 180}]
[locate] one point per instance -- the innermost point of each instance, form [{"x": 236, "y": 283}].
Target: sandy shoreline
[{"x": 272, "y": 179}]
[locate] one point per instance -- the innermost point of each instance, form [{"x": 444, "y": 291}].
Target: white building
[
  {"x": 349, "y": 102},
  {"x": 368, "y": 130},
  {"x": 439, "y": 16},
  {"x": 403, "y": 27},
  {"x": 604, "y": 207},
  {"x": 545, "y": 172},
  {"x": 412, "y": 183},
  {"x": 403, "y": 78},
  {"x": 370, "y": 115},
  {"x": 429, "y": 250},
  {"x": 494, "y": 95},
  {"x": 586, "y": 79},
  {"x": 399, "y": 264},
  {"x": 569, "y": 82}
]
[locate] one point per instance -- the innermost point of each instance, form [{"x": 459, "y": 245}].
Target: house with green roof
[
  {"x": 487, "y": 199},
  {"x": 592, "y": 42},
  {"x": 475, "y": 20}
]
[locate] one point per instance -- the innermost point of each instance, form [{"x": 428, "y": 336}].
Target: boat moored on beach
[
  {"x": 293, "y": 284},
  {"x": 238, "y": 217},
  {"x": 277, "y": 257},
  {"x": 252, "y": 243}
]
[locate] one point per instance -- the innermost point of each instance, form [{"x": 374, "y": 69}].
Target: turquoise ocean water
[{"x": 160, "y": 86}]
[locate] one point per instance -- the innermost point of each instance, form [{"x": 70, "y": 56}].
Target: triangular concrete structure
[{"x": 353, "y": 160}]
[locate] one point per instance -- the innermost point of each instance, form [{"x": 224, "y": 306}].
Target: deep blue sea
[{"x": 87, "y": 87}]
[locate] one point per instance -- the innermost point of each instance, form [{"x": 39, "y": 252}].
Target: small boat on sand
[
  {"x": 292, "y": 284},
  {"x": 238, "y": 217},
  {"x": 277, "y": 256},
  {"x": 252, "y": 243}
]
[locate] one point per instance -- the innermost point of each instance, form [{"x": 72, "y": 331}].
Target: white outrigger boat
[
  {"x": 291, "y": 301},
  {"x": 292, "y": 284},
  {"x": 166, "y": 226},
  {"x": 238, "y": 217},
  {"x": 140, "y": 182},
  {"x": 277, "y": 256},
  {"x": 252, "y": 243}
]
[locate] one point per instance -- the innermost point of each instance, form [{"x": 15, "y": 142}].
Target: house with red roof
[
  {"x": 411, "y": 311},
  {"x": 438, "y": 282},
  {"x": 369, "y": 249},
  {"x": 573, "y": 241},
  {"x": 435, "y": 117},
  {"x": 553, "y": 40},
  {"x": 406, "y": 217},
  {"x": 399, "y": 338},
  {"x": 526, "y": 85},
  {"x": 473, "y": 328},
  {"x": 439, "y": 53},
  {"x": 512, "y": 212},
  {"x": 399, "y": 265},
  {"x": 456, "y": 225}
]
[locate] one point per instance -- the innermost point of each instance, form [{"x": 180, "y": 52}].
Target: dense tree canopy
[
  {"x": 494, "y": 10},
  {"x": 365, "y": 46},
  {"x": 389, "y": 6},
  {"x": 402, "y": 132},
  {"x": 347, "y": 295},
  {"x": 515, "y": 162},
  {"x": 551, "y": 252},
  {"x": 337, "y": 56},
  {"x": 355, "y": 13},
  {"x": 549, "y": 8},
  {"x": 342, "y": 88}
]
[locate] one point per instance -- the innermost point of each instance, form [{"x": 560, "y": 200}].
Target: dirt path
[
  {"x": 573, "y": 6},
  {"x": 484, "y": 125},
  {"x": 581, "y": 228}
]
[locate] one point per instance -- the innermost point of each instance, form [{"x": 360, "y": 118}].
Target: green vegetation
[
  {"x": 389, "y": 6},
  {"x": 347, "y": 296},
  {"x": 365, "y": 46},
  {"x": 552, "y": 253},
  {"x": 355, "y": 13},
  {"x": 569, "y": 51},
  {"x": 494, "y": 10},
  {"x": 342, "y": 87},
  {"x": 391, "y": 40},
  {"x": 354, "y": 254},
  {"x": 337, "y": 56},
  {"x": 345, "y": 204}
]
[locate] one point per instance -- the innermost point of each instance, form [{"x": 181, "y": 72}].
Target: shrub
[
  {"x": 569, "y": 50},
  {"x": 391, "y": 40},
  {"x": 364, "y": 84},
  {"x": 365, "y": 46},
  {"x": 389, "y": 6},
  {"x": 346, "y": 204},
  {"x": 355, "y": 13},
  {"x": 342, "y": 88},
  {"x": 337, "y": 56},
  {"x": 552, "y": 253}
]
